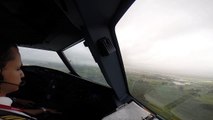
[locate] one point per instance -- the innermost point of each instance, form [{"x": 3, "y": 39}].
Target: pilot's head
[{"x": 10, "y": 69}]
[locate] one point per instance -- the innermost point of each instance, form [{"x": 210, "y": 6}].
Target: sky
[
  {"x": 169, "y": 36},
  {"x": 174, "y": 36}
]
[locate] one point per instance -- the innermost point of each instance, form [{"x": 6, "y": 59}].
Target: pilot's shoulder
[{"x": 9, "y": 114}]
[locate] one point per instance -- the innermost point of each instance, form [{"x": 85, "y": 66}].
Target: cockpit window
[
  {"x": 167, "y": 49},
  {"x": 49, "y": 59},
  {"x": 83, "y": 63}
]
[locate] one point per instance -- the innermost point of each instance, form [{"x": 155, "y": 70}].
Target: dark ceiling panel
[{"x": 34, "y": 22}]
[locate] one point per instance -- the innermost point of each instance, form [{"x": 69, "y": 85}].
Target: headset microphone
[
  {"x": 21, "y": 84},
  {"x": 10, "y": 83},
  {"x": 2, "y": 81}
]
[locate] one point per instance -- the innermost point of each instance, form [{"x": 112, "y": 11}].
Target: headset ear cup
[{"x": 1, "y": 78}]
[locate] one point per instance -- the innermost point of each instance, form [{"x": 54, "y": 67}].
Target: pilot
[
  {"x": 10, "y": 71},
  {"x": 10, "y": 78}
]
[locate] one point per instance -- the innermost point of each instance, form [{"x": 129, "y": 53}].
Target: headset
[
  {"x": 2, "y": 57},
  {"x": 2, "y": 79},
  {"x": 1, "y": 76}
]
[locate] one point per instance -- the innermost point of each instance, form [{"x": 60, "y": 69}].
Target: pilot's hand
[{"x": 49, "y": 110}]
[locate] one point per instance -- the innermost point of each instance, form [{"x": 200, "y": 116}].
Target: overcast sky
[
  {"x": 173, "y": 36},
  {"x": 168, "y": 35}
]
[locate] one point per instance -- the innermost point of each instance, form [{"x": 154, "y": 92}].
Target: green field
[{"x": 174, "y": 97}]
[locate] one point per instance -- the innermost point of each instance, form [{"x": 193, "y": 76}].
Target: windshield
[
  {"x": 83, "y": 63},
  {"x": 167, "y": 49},
  {"x": 49, "y": 59}
]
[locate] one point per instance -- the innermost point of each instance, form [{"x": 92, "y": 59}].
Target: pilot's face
[{"x": 12, "y": 73}]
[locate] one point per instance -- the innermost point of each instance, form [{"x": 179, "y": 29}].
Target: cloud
[{"x": 168, "y": 35}]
